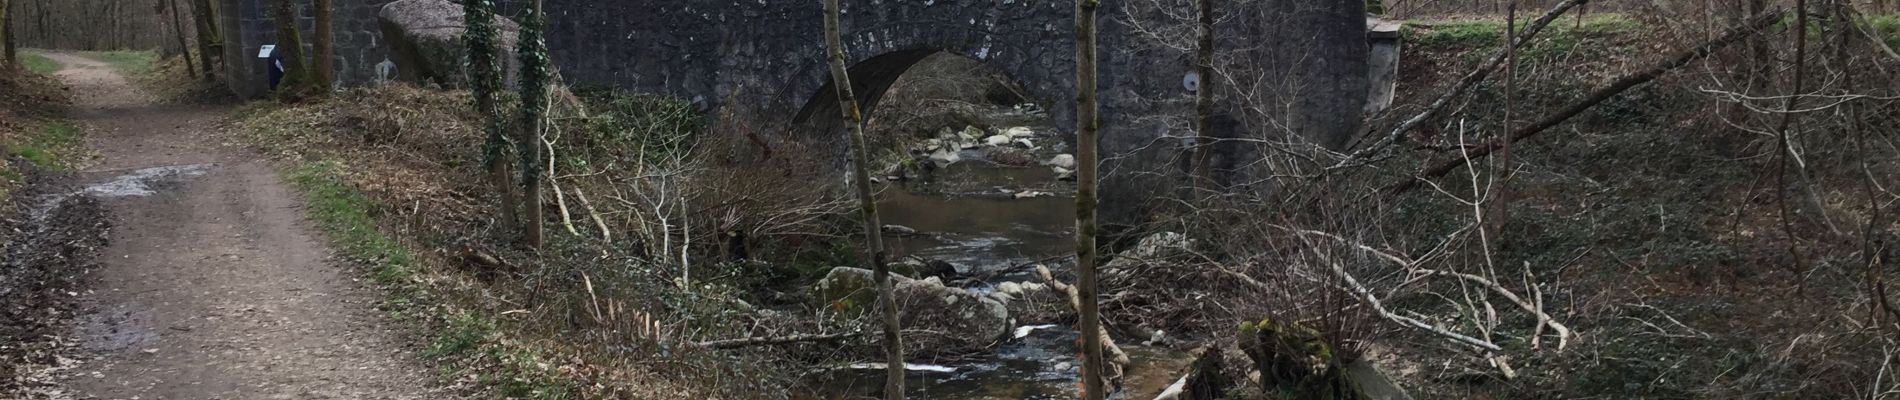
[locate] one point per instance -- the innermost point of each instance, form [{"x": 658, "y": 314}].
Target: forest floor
[{"x": 212, "y": 286}]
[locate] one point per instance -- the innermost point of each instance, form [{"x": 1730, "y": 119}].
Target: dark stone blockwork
[{"x": 764, "y": 60}]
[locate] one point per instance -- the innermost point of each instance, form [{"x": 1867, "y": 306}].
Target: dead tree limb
[
  {"x": 1115, "y": 354},
  {"x": 1470, "y": 80},
  {"x": 775, "y": 340},
  {"x": 1543, "y": 319},
  {"x": 1372, "y": 300},
  {"x": 1749, "y": 28}
]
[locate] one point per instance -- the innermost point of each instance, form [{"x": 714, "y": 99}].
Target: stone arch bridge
[{"x": 764, "y": 61}]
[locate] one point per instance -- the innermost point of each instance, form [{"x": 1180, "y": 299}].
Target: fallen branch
[
  {"x": 560, "y": 201},
  {"x": 1115, "y": 354},
  {"x": 606, "y": 235},
  {"x": 1470, "y": 80},
  {"x": 1749, "y": 28},
  {"x": 1543, "y": 319},
  {"x": 1371, "y": 300},
  {"x": 774, "y": 340}
]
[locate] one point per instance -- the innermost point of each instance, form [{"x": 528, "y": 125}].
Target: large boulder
[
  {"x": 425, "y": 40},
  {"x": 946, "y": 320}
]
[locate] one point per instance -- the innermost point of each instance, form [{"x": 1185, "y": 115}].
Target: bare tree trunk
[
  {"x": 325, "y": 46},
  {"x": 6, "y": 34},
  {"x": 861, "y": 177},
  {"x": 534, "y": 106},
  {"x": 1800, "y": 32},
  {"x": 1204, "y": 98},
  {"x": 1088, "y": 127},
  {"x": 207, "y": 31},
  {"x": 178, "y": 27},
  {"x": 1759, "y": 55},
  {"x": 1500, "y": 207}
]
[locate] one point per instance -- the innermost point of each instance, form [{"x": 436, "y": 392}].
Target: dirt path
[{"x": 213, "y": 286}]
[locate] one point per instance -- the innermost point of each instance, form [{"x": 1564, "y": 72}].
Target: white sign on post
[{"x": 264, "y": 52}]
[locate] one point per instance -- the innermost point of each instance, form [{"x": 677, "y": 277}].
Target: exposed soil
[
  {"x": 51, "y": 239},
  {"x": 213, "y": 286}
]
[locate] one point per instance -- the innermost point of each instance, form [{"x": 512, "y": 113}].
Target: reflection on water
[
  {"x": 1039, "y": 366},
  {"x": 980, "y": 234},
  {"x": 983, "y": 218}
]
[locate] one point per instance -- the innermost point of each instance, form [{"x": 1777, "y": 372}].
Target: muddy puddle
[{"x": 144, "y": 182}]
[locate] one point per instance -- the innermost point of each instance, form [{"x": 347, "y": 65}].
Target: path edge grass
[{"x": 465, "y": 342}]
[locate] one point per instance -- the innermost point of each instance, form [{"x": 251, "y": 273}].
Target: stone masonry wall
[
  {"x": 359, "y": 45},
  {"x": 763, "y": 61}
]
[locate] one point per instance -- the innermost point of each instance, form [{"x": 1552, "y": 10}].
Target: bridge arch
[
  {"x": 818, "y": 121},
  {"x": 763, "y": 61}
]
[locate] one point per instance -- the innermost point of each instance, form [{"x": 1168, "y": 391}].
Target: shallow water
[
  {"x": 1040, "y": 365},
  {"x": 969, "y": 215}
]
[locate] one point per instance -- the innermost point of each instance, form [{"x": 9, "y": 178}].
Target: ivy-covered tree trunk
[
  {"x": 535, "y": 77},
  {"x": 325, "y": 46},
  {"x": 867, "y": 205},
  {"x": 484, "y": 78},
  {"x": 290, "y": 44},
  {"x": 1087, "y": 126}
]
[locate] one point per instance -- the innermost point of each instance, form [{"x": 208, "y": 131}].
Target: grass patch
[
  {"x": 39, "y": 64},
  {"x": 1489, "y": 34},
  {"x": 1887, "y": 27},
  {"x": 513, "y": 374},
  {"x": 467, "y": 340},
  {"x": 344, "y": 214},
  {"x": 128, "y": 62},
  {"x": 54, "y": 145}
]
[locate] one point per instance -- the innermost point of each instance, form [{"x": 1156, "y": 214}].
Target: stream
[{"x": 984, "y": 218}]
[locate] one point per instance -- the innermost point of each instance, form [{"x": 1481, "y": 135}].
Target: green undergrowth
[
  {"x": 1489, "y": 33},
  {"x": 54, "y": 145},
  {"x": 128, "y": 62},
  {"x": 466, "y": 343},
  {"x": 1651, "y": 213},
  {"x": 1887, "y": 27},
  {"x": 38, "y": 64},
  {"x": 630, "y": 128},
  {"x": 344, "y": 214}
]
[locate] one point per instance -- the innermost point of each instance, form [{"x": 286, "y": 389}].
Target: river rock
[
  {"x": 997, "y": 140},
  {"x": 1062, "y": 161},
  {"x": 945, "y": 156},
  {"x": 1063, "y": 174},
  {"x": 1019, "y": 132},
  {"x": 899, "y": 230},
  {"x": 425, "y": 42},
  {"x": 971, "y": 134}
]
